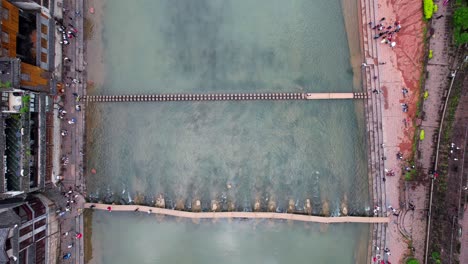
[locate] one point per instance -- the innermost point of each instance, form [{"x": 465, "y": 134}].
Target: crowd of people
[{"x": 386, "y": 31}]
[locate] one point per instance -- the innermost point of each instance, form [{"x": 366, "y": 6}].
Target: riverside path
[
  {"x": 250, "y": 215},
  {"x": 221, "y": 97}
]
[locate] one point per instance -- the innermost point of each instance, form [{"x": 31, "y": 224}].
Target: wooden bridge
[
  {"x": 243, "y": 215},
  {"x": 221, "y": 97}
]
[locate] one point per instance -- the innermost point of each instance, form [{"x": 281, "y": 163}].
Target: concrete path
[{"x": 250, "y": 215}]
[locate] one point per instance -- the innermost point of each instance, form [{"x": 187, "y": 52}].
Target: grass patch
[
  {"x": 88, "y": 29},
  {"x": 88, "y": 230}
]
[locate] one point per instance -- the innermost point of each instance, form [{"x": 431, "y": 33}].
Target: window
[
  {"x": 44, "y": 43},
  {"x": 25, "y": 230},
  {"x": 45, "y": 3},
  {"x": 26, "y": 243},
  {"x": 43, "y": 57},
  {"x": 23, "y": 212},
  {"x": 25, "y": 77},
  {"x": 39, "y": 223},
  {"x": 5, "y": 14},
  {"x": 44, "y": 29},
  {"x": 5, "y": 37},
  {"x": 39, "y": 235}
]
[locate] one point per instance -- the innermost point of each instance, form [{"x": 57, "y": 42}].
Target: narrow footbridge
[
  {"x": 243, "y": 215},
  {"x": 221, "y": 97}
]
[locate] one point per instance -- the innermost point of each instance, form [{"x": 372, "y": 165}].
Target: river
[{"x": 235, "y": 153}]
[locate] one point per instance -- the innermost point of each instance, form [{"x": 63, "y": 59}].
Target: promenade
[
  {"x": 250, "y": 215},
  {"x": 375, "y": 139}
]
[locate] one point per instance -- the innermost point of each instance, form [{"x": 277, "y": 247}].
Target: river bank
[{"x": 400, "y": 67}]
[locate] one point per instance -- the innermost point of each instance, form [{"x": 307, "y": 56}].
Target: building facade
[
  {"x": 25, "y": 230},
  {"x": 26, "y": 87}
]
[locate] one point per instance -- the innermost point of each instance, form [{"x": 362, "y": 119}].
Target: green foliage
[
  {"x": 426, "y": 95},
  {"x": 5, "y": 85},
  {"x": 428, "y": 6},
  {"x": 430, "y": 54},
  {"x": 436, "y": 8},
  {"x": 16, "y": 116},
  {"x": 422, "y": 135},
  {"x": 25, "y": 99},
  {"x": 460, "y": 24},
  {"x": 411, "y": 175},
  {"x": 412, "y": 261},
  {"x": 436, "y": 257},
  {"x": 24, "y": 110}
]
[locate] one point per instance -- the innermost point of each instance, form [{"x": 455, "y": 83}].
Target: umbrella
[{"x": 67, "y": 256}]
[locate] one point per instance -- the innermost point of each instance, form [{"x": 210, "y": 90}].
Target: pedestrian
[
  {"x": 375, "y": 91},
  {"x": 382, "y": 19},
  {"x": 150, "y": 211},
  {"x": 364, "y": 64},
  {"x": 79, "y": 235},
  {"x": 439, "y": 17},
  {"x": 109, "y": 208},
  {"x": 92, "y": 206},
  {"x": 386, "y": 250},
  {"x": 396, "y": 214},
  {"x": 136, "y": 210},
  {"x": 382, "y": 63}
]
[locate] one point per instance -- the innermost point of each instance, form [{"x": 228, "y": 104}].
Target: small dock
[{"x": 222, "y": 97}]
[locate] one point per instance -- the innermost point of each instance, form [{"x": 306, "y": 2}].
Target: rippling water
[
  {"x": 238, "y": 152},
  {"x": 140, "y": 238}
]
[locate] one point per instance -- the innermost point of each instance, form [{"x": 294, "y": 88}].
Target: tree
[
  {"x": 460, "y": 24},
  {"x": 428, "y": 7},
  {"x": 412, "y": 261}
]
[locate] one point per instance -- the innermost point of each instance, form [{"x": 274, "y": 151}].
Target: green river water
[{"x": 238, "y": 152}]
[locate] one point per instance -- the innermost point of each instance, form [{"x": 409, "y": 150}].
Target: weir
[
  {"x": 249, "y": 215},
  {"x": 221, "y": 97}
]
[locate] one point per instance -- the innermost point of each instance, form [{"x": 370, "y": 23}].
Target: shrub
[
  {"x": 428, "y": 6},
  {"x": 426, "y": 95},
  {"x": 412, "y": 261},
  {"x": 436, "y": 8},
  {"x": 460, "y": 24},
  {"x": 430, "y": 54},
  {"x": 422, "y": 135}
]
